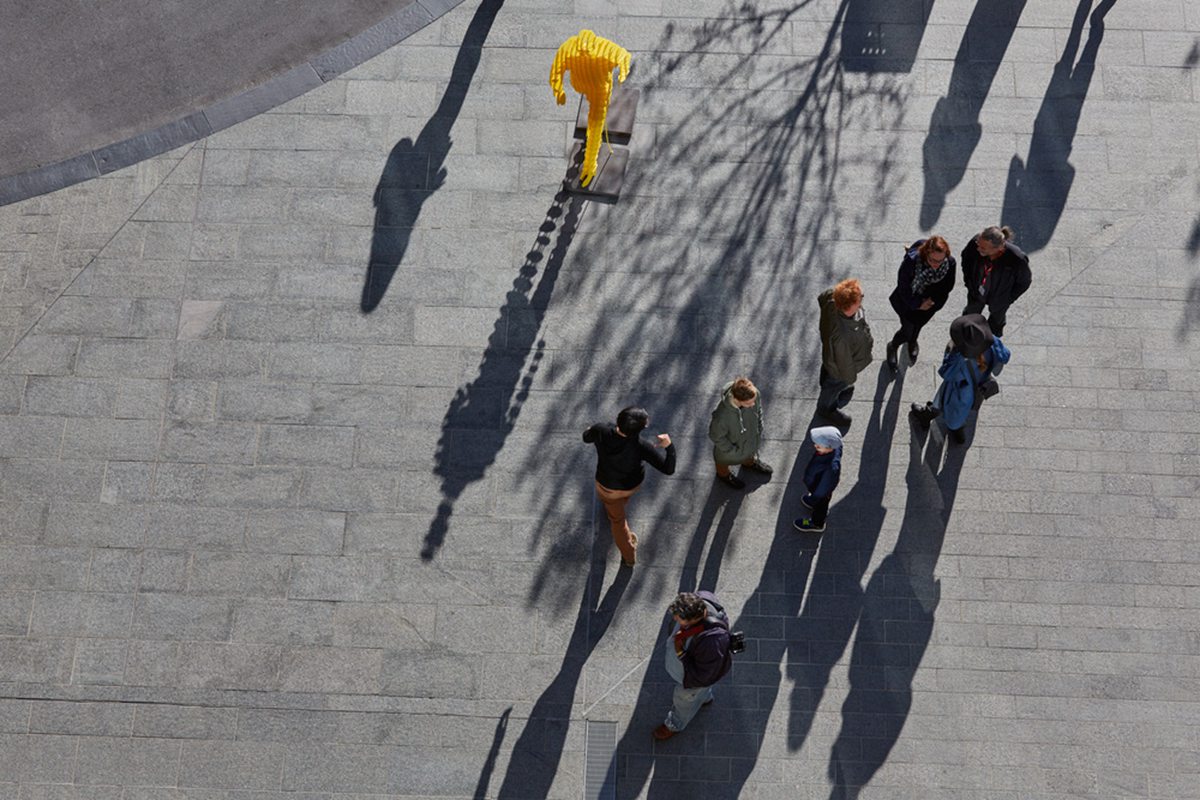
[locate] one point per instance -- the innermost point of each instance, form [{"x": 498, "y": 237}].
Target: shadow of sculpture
[
  {"x": 727, "y": 228},
  {"x": 538, "y": 750},
  {"x": 484, "y": 412},
  {"x": 1037, "y": 188},
  {"x": 415, "y": 170},
  {"x": 954, "y": 130},
  {"x": 896, "y": 619}
]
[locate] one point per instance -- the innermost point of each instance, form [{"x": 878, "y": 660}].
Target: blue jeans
[{"x": 685, "y": 703}]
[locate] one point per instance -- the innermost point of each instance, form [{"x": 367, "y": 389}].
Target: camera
[{"x": 737, "y": 641}]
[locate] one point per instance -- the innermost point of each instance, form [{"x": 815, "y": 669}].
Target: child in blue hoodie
[{"x": 821, "y": 477}]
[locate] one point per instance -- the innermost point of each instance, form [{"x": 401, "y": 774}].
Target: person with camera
[{"x": 699, "y": 652}]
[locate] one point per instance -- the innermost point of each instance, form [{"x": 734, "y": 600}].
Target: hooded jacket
[
  {"x": 706, "y": 658},
  {"x": 960, "y": 377},
  {"x": 845, "y": 341},
  {"x": 736, "y": 433}
]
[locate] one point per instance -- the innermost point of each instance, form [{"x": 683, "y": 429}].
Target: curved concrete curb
[{"x": 229, "y": 111}]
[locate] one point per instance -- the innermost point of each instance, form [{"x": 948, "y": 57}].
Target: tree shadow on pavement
[
  {"x": 472, "y": 435},
  {"x": 954, "y": 130},
  {"x": 1037, "y": 188},
  {"x": 896, "y": 619},
  {"x": 538, "y": 750},
  {"x": 415, "y": 170},
  {"x": 726, "y": 228},
  {"x": 775, "y": 636},
  {"x": 1191, "y": 301}
]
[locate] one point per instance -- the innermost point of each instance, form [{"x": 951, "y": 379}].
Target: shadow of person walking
[
  {"x": 489, "y": 764},
  {"x": 954, "y": 129},
  {"x": 538, "y": 750},
  {"x": 835, "y": 595},
  {"x": 896, "y": 622},
  {"x": 415, "y": 170},
  {"x": 472, "y": 434},
  {"x": 1037, "y": 189}
]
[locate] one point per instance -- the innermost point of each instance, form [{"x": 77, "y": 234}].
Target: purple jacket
[{"x": 707, "y": 658}]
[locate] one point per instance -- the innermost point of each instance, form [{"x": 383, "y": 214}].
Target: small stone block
[
  {"x": 622, "y": 110},
  {"x": 610, "y": 174}
]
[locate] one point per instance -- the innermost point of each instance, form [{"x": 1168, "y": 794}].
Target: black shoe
[
  {"x": 957, "y": 436},
  {"x": 806, "y": 501},
  {"x": 924, "y": 414},
  {"x": 913, "y": 350},
  {"x": 837, "y": 417},
  {"x": 892, "y": 361},
  {"x": 732, "y": 481},
  {"x": 761, "y": 467}
]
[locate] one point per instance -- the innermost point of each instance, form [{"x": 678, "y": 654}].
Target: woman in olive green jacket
[{"x": 736, "y": 431}]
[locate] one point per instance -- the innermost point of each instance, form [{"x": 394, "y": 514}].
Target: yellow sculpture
[{"x": 591, "y": 60}]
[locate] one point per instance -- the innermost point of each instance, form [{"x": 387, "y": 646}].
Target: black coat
[
  {"x": 907, "y": 304},
  {"x": 1009, "y": 279}
]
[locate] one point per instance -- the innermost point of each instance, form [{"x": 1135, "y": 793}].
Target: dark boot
[
  {"x": 924, "y": 414},
  {"x": 892, "y": 361},
  {"x": 913, "y": 350}
]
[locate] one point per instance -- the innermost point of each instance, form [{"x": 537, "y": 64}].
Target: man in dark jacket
[
  {"x": 845, "y": 348},
  {"x": 620, "y": 454},
  {"x": 996, "y": 273},
  {"x": 697, "y": 656}
]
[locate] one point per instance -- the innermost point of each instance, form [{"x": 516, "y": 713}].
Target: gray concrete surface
[
  {"x": 258, "y": 543},
  {"x": 91, "y": 88}
]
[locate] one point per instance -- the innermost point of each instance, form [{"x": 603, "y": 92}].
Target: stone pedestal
[
  {"x": 610, "y": 173},
  {"x": 622, "y": 111}
]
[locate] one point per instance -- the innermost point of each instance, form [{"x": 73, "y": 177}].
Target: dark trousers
[
  {"x": 996, "y": 319},
  {"x": 820, "y": 508},
  {"x": 909, "y": 331},
  {"x": 835, "y": 394}
]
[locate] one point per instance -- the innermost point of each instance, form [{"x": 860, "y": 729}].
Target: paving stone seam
[{"x": 62, "y": 292}]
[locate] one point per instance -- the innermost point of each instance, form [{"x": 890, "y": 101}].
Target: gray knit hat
[{"x": 827, "y": 436}]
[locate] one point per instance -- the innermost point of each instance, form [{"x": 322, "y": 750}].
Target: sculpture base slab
[
  {"x": 622, "y": 110},
  {"x": 610, "y": 174}
]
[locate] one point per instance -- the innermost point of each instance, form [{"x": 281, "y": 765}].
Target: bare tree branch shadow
[{"x": 756, "y": 171}]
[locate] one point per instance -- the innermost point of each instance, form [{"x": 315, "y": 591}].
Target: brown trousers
[{"x": 614, "y": 501}]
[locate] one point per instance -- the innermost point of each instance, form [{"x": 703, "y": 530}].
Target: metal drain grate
[{"x": 600, "y": 765}]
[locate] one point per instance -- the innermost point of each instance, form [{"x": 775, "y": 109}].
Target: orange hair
[{"x": 847, "y": 293}]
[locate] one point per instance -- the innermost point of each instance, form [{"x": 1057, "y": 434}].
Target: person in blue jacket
[
  {"x": 974, "y": 356},
  {"x": 821, "y": 477}
]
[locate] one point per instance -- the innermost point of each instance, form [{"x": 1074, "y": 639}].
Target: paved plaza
[{"x": 277, "y": 526}]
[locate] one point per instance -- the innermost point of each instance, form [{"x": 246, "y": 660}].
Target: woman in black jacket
[{"x": 924, "y": 282}]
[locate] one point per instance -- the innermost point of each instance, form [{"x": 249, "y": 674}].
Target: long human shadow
[
  {"x": 415, "y": 169},
  {"x": 484, "y": 412},
  {"x": 677, "y": 304},
  {"x": 538, "y": 750},
  {"x": 835, "y": 594},
  {"x": 1037, "y": 188},
  {"x": 489, "y": 764},
  {"x": 636, "y": 752},
  {"x": 954, "y": 129},
  {"x": 896, "y": 622}
]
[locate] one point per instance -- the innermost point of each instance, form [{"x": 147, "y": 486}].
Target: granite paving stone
[{"x": 260, "y": 543}]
